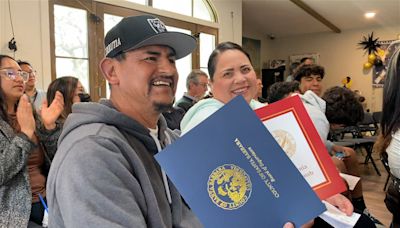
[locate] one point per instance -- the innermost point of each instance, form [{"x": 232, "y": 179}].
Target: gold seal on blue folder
[{"x": 229, "y": 187}]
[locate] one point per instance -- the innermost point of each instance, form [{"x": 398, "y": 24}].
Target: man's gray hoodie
[
  {"x": 316, "y": 108},
  {"x": 104, "y": 174}
]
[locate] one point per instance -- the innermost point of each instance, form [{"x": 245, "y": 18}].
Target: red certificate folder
[{"x": 291, "y": 126}]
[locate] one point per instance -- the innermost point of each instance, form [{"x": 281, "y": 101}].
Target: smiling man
[
  {"x": 104, "y": 173},
  {"x": 196, "y": 84},
  {"x": 310, "y": 78}
]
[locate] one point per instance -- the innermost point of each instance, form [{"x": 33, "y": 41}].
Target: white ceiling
[{"x": 284, "y": 18}]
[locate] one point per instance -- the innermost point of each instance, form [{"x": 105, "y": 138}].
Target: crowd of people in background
[
  {"x": 93, "y": 163},
  {"x": 31, "y": 125}
]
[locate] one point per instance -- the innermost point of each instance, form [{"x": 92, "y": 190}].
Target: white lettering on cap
[
  {"x": 114, "y": 44},
  {"x": 157, "y": 25}
]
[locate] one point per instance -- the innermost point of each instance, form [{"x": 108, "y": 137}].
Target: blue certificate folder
[{"x": 232, "y": 173}]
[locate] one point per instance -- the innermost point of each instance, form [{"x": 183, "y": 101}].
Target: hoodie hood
[
  {"x": 211, "y": 104},
  {"x": 316, "y": 107},
  {"x": 313, "y": 99},
  {"x": 203, "y": 109},
  {"x": 104, "y": 112}
]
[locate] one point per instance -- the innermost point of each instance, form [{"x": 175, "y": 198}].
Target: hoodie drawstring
[
  {"x": 167, "y": 137},
  {"x": 164, "y": 175}
]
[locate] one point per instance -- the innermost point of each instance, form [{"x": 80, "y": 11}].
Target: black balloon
[{"x": 377, "y": 62}]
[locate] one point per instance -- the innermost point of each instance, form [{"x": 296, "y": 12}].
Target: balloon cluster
[
  {"x": 373, "y": 60},
  {"x": 372, "y": 46}
]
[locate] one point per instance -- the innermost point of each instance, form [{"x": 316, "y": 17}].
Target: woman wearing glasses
[{"x": 27, "y": 145}]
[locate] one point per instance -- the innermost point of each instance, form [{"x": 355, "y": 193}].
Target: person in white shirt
[
  {"x": 36, "y": 96},
  {"x": 293, "y": 68}
]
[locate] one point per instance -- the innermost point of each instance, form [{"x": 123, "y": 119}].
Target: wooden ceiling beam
[{"x": 310, "y": 11}]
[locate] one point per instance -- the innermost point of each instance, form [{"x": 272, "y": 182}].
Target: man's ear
[
  {"x": 108, "y": 68},
  {"x": 191, "y": 85}
]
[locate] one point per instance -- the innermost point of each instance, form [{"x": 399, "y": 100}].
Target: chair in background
[
  {"x": 358, "y": 143},
  {"x": 346, "y": 130},
  {"x": 367, "y": 125},
  {"x": 377, "y": 118}
]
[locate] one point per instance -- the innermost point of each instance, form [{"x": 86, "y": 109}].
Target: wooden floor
[{"x": 373, "y": 189}]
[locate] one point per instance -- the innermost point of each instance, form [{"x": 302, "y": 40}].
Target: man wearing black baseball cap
[{"x": 104, "y": 173}]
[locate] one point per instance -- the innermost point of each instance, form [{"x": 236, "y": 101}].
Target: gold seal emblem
[
  {"x": 286, "y": 141},
  {"x": 229, "y": 187}
]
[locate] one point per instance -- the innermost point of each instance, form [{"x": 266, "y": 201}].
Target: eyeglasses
[
  {"x": 80, "y": 89},
  {"x": 204, "y": 85},
  {"x": 32, "y": 73},
  {"x": 13, "y": 74}
]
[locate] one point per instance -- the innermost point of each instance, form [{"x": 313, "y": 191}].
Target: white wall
[
  {"x": 229, "y": 30},
  {"x": 340, "y": 55},
  {"x": 32, "y": 29},
  {"x": 266, "y": 47}
]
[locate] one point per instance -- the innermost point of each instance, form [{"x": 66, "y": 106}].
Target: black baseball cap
[{"x": 145, "y": 30}]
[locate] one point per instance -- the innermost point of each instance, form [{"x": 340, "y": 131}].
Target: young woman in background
[{"x": 28, "y": 143}]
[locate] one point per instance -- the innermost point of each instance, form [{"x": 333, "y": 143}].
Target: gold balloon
[
  {"x": 367, "y": 65},
  {"x": 398, "y": 37},
  {"x": 371, "y": 58}
]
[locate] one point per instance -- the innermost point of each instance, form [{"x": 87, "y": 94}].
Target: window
[
  {"x": 142, "y": 2},
  {"x": 110, "y": 21},
  {"x": 183, "y": 66},
  {"x": 71, "y": 43},
  {"x": 77, "y": 43},
  {"x": 201, "y": 9},
  {"x": 207, "y": 45},
  {"x": 177, "y": 6}
]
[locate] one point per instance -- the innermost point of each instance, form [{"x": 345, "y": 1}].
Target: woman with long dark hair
[
  {"x": 389, "y": 138},
  {"x": 28, "y": 143},
  {"x": 70, "y": 88}
]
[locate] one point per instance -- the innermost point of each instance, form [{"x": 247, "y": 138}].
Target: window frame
[
  {"x": 97, "y": 82},
  {"x": 207, "y": 3},
  {"x": 91, "y": 36}
]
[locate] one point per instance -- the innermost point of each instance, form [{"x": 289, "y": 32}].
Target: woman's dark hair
[
  {"x": 390, "y": 119},
  {"x": 3, "y": 104},
  {"x": 4, "y": 107},
  {"x": 342, "y": 106},
  {"x": 221, "y": 48},
  {"x": 66, "y": 86}
]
